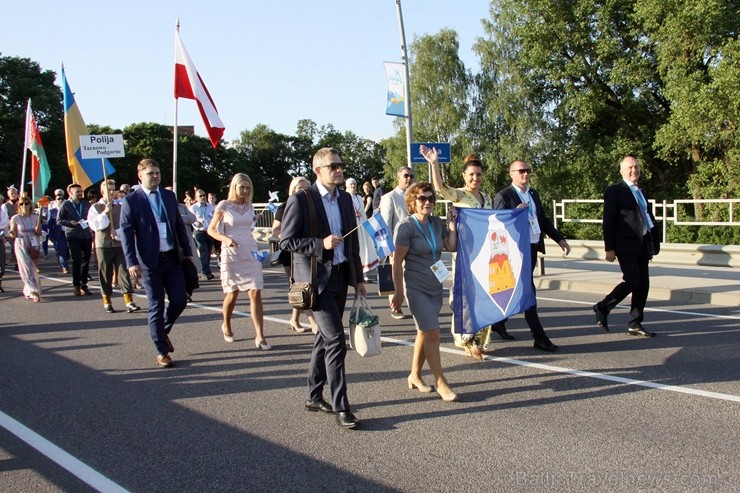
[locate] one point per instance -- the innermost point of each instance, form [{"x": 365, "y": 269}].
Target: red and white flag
[{"x": 189, "y": 85}]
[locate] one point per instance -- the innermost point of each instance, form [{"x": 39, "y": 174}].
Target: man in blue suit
[
  {"x": 338, "y": 265},
  {"x": 155, "y": 242}
]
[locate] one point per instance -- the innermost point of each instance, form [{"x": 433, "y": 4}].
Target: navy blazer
[
  {"x": 295, "y": 236},
  {"x": 140, "y": 239},
  {"x": 622, "y": 222},
  {"x": 508, "y": 198}
]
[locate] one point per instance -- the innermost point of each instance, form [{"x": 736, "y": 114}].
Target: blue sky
[{"x": 271, "y": 62}]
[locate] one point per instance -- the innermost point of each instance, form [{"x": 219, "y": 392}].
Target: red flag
[
  {"x": 40, "y": 172},
  {"x": 189, "y": 85}
]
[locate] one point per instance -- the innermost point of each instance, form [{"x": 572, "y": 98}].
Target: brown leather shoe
[
  {"x": 78, "y": 291},
  {"x": 164, "y": 361}
]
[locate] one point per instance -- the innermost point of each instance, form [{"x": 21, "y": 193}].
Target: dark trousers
[
  {"x": 80, "y": 249},
  {"x": 62, "y": 251},
  {"x": 167, "y": 278},
  {"x": 204, "y": 243},
  {"x": 530, "y": 314},
  {"x": 2, "y": 257},
  {"x": 635, "y": 280},
  {"x": 329, "y": 346},
  {"x": 112, "y": 260}
]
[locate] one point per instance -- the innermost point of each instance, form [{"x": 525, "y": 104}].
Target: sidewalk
[{"x": 685, "y": 284}]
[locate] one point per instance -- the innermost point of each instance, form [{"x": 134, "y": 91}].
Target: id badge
[
  {"x": 534, "y": 226},
  {"x": 83, "y": 224},
  {"x": 162, "y": 230},
  {"x": 34, "y": 241},
  {"x": 440, "y": 271}
]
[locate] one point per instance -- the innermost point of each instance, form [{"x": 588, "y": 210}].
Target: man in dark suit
[
  {"x": 628, "y": 225},
  {"x": 155, "y": 241},
  {"x": 517, "y": 196},
  {"x": 339, "y": 266}
]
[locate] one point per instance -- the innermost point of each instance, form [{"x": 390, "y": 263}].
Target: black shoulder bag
[{"x": 303, "y": 295}]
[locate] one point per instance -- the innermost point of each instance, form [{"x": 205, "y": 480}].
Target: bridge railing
[{"x": 679, "y": 212}]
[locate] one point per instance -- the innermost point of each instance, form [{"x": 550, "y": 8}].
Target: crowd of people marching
[{"x": 143, "y": 237}]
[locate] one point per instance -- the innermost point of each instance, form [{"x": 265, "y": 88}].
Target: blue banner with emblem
[{"x": 493, "y": 269}]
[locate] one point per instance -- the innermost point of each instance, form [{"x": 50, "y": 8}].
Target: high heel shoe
[
  {"x": 475, "y": 352},
  {"x": 420, "y": 386},
  {"x": 228, "y": 336},
  {"x": 297, "y": 328},
  {"x": 447, "y": 397},
  {"x": 262, "y": 345}
]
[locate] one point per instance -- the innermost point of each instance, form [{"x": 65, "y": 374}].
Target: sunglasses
[
  {"x": 26, "y": 204},
  {"x": 523, "y": 171},
  {"x": 59, "y": 197},
  {"x": 426, "y": 198},
  {"x": 408, "y": 175},
  {"x": 333, "y": 166},
  {"x": 201, "y": 196}
]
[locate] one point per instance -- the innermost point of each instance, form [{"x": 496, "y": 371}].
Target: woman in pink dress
[
  {"x": 25, "y": 227},
  {"x": 241, "y": 267}
]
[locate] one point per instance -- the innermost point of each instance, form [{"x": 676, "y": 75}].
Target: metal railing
[{"x": 674, "y": 212}]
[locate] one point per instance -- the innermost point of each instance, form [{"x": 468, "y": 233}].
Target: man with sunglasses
[
  {"x": 203, "y": 211},
  {"x": 56, "y": 232},
  {"x": 393, "y": 210},
  {"x": 517, "y": 196},
  {"x": 336, "y": 247}
]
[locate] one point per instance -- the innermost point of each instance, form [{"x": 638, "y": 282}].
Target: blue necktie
[
  {"x": 643, "y": 208},
  {"x": 160, "y": 212}
]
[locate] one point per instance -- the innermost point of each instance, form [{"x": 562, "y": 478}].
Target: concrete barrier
[{"x": 670, "y": 253}]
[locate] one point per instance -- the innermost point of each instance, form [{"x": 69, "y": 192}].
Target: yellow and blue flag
[
  {"x": 85, "y": 172},
  {"x": 493, "y": 269}
]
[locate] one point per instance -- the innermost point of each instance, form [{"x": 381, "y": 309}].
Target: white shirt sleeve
[{"x": 97, "y": 222}]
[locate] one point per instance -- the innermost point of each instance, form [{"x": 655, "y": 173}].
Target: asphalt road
[{"x": 609, "y": 412}]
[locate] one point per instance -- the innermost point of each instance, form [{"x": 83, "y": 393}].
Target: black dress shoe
[
  {"x": 639, "y": 330},
  {"x": 601, "y": 318},
  {"x": 545, "y": 345},
  {"x": 346, "y": 419},
  {"x": 501, "y": 331},
  {"x": 320, "y": 405}
]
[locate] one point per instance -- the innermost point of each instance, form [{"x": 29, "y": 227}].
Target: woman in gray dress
[{"x": 418, "y": 268}]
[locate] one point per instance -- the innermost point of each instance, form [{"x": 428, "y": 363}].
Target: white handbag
[{"x": 364, "y": 329}]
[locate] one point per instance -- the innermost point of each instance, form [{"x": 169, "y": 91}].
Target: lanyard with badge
[
  {"x": 78, "y": 209},
  {"x": 161, "y": 225},
  {"x": 534, "y": 226},
  {"x": 438, "y": 268},
  {"x": 31, "y": 235}
]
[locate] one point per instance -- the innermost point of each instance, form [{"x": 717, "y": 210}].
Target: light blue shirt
[
  {"x": 160, "y": 214},
  {"x": 334, "y": 215},
  {"x": 647, "y": 223}
]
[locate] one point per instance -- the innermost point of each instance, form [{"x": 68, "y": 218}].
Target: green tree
[
  {"x": 700, "y": 67},
  {"x": 21, "y": 79}
]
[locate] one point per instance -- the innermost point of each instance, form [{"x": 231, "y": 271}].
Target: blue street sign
[{"x": 443, "y": 151}]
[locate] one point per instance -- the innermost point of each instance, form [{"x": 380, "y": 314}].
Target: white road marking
[{"x": 79, "y": 469}]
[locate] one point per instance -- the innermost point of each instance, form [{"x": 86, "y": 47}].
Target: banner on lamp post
[{"x": 395, "y": 77}]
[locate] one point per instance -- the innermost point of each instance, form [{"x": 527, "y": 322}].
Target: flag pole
[
  {"x": 174, "y": 130},
  {"x": 407, "y": 86},
  {"x": 25, "y": 150}
]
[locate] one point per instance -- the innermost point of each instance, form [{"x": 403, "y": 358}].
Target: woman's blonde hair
[
  {"x": 238, "y": 178},
  {"x": 295, "y": 182}
]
